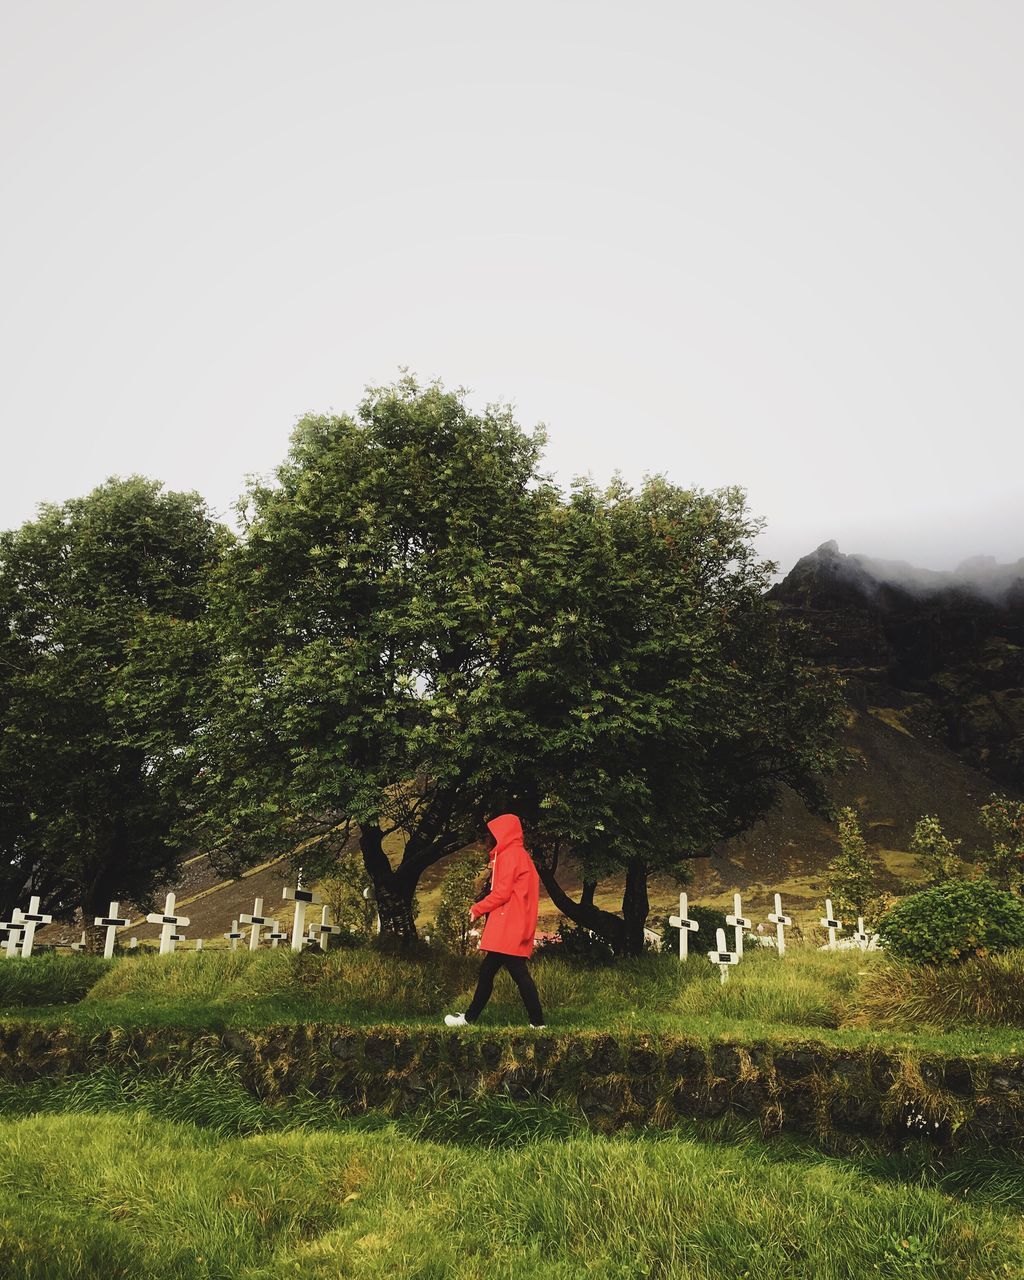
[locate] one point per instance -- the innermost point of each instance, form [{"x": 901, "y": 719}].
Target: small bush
[
  {"x": 1003, "y": 819},
  {"x": 579, "y": 946},
  {"x": 937, "y": 855},
  {"x": 458, "y": 893},
  {"x": 49, "y": 979},
  {"x": 953, "y": 921},
  {"x": 709, "y": 920},
  {"x": 854, "y": 872},
  {"x": 343, "y": 891}
]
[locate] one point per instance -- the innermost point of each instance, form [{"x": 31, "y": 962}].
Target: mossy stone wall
[{"x": 615, "y": 1082}]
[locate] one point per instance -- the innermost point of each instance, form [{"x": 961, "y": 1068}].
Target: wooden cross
[
  {"x": 302, "y": 898},
  {"x": 861, "y": 936},
  {"x": 235, "y": 935},
  {"x": 739, "y": 922},
  {"x": 829, "y": 922},
  {"x": 30, "y": 918},
  {"x": 257, "y": 920},
  {"x": 780, "y": 922},
  {"x": 721, "y": 957},
  {"x": 322, "y": 931},
  {"x": 685, "y": 926},
  {"x": 80, "y": 944},
  {"x": 113, "y": 922},
  {"x": 275, "y": 936},
  {"x": 13, "y": 927},
  {"x": 168, "y": 920}
]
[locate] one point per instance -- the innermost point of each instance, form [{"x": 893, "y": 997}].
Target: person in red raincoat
[{"x": 511, "y": 911}]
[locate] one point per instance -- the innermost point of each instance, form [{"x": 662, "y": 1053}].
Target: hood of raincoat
[{"x": 507, "y": 830}]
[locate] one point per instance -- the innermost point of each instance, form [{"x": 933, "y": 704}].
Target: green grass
[
  {"x": 121, "y": 1195},
  {"x": 49, "y": 978},
  {"x": 808, "y": 994}
]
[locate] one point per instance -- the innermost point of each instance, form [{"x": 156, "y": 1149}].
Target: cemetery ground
[{"x": 171, "y": 1116}]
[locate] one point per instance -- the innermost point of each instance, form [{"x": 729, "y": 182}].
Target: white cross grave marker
[
  {"x": 829, "y": 922},
  {"x": 861, "y": 935},
  {"x": 32, "y": 917},
  {"x": 275, "y": 936},
  {"x": 301, "y": 897},
  {"x": 80, "y": 944},
  {"x": 113, "y": 922},
  {"x": 235, "y": 935},
  {"x": 168, "y": 920},
  {"x": 739, "y": 922},
  {"x": 13, "y": 927},
  {"x": 322, "y": 931},
  {"x": 257, "y": 920},
  {"x": 780, "y": 922},
  {"x": 721, "y": 957},
  {"x": 684, "y": 925}
]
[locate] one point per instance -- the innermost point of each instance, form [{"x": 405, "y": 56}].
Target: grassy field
[
  {"x": 189, "y": 1174},
  {"x": 129, "y": 1194},
  {"x": 855, "y": 998}
]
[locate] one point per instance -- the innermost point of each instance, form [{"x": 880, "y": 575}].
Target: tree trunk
[
  {"x": 392, "y": 891},
  {"x": 95, "y": 938},
  {"x": 605, "y": 924},
  {"x": 95, "y": 934},
  {"x": 635, "y": 908},
  {"x": 625, "y": 933},
  {"x": 394, "y": 906}
]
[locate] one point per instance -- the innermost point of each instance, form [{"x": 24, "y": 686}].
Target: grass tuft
[
  {"x": 987, "y": 991},
  {"x": 49, "y": 979}
]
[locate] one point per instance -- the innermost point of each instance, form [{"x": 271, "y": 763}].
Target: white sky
[{"x": 776, "y": 243}]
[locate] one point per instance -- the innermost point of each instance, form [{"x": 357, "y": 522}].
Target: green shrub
[
  {"x": 1003, "y": 819},
  {"x": 709, "y": 919},
  {"x": 49, "y": 979},
  {"x": 937, "y": 855},
  {"x": 578, "y": 945},
  {"x": 953, "y": 921},
  {"x": 344, "y": 891},
  {"x": 854, "y": 872},
  {"x": 458, "y": 893}
]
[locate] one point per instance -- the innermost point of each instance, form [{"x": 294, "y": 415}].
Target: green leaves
[
  {"x": 103, "y": 648},
  {"x": 382, "y": 631}
]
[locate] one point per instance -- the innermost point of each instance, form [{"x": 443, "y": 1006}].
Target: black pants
[{"x": 517, "y": 967}]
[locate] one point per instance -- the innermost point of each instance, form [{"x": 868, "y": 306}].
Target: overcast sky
[{"x": 770, "y": 243}]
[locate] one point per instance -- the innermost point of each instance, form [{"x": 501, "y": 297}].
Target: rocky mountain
[{"x": 942, "y": 651}]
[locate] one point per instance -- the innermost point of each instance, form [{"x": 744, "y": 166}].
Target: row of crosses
[
  {"x": 21, "y": 927},
  {"x": 738, "y": 922}
]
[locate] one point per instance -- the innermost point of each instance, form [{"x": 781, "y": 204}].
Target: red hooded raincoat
[{"x": 511, "y": 906}]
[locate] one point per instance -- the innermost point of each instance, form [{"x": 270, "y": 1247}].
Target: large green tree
[
  {"x": 667, "y": 698},
  {"x": 97, "y": 595},
  {"x": 368, "y": 623}
]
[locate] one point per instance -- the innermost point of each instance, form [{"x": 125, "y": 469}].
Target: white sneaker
[{"x": 455, "y": 1020}]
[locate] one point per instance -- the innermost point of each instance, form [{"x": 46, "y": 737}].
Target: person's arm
[{"x": 502, "y": 882}]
